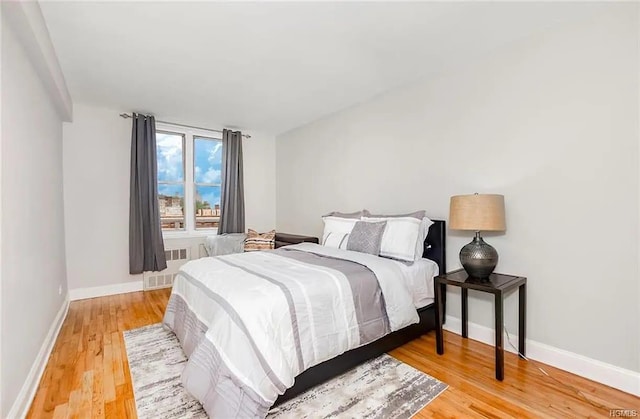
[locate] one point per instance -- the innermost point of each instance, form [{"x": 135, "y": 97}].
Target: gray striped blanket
[{"x": 251, "y": 322}]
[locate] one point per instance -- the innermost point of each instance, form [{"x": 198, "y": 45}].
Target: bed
[{"x": 252, "y": 350}]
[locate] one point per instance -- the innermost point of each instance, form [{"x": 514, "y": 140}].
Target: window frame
[{"x": 188, "y": 165}]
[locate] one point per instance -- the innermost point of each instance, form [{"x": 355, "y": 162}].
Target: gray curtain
[
  {"x": 232, "y": 194},
  {"x": 146, "y": 248}
]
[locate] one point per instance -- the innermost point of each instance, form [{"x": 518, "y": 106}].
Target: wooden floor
[{"x": 87, "y": 374}]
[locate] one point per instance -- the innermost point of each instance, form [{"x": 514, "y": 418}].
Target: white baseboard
[
  {"x": 611, "y": 375},
  {"x": 28, "y": 391},
  {"x": 93, "y": 292}
]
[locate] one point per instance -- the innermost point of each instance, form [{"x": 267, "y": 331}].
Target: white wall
[
  {"x": 96, "y": 150},
  {"x": 551, "y": 123},
  {"x": 259, "y": 157},
  {"x": 33, "y": 267},
  {"x": 96, "y": 194},
  {"x": 2, "y": 402}
]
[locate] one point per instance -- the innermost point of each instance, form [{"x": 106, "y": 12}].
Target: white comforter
[{"x": 255, "y": 333}]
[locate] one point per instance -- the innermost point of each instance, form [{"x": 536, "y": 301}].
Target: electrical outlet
[{"x": 59, "y": 289}]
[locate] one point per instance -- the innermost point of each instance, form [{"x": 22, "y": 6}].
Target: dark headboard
[{"x": 435, "y": 245}]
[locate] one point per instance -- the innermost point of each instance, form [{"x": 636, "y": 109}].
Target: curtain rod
[{"x": 126, "y": 115}]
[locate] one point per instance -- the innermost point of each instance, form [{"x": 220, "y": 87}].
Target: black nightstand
[
  {"x": 496, "y": 284},
  {"x": 285, "y": 239}
]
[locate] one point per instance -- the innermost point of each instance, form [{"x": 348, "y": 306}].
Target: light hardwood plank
[
  {"x": 88, "y": 374},
  {"x": 61, "y": 411}
]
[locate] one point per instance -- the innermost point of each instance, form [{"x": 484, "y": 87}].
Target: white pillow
[
  {"x": 337, "y": 230},
  {"x": 404, "y": 236}
]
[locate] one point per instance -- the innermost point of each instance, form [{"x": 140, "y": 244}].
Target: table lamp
[{"x": 478, "y": 212}]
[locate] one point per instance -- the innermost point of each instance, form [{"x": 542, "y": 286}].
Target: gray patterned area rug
[{"x": 381, "y": 388}]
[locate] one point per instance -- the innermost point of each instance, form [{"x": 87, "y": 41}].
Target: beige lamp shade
[{"x": 477, "y": 212}]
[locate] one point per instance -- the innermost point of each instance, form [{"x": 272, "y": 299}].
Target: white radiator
[
  {"x": 177, "y": 254},
  {"x": 157, "y": 280}
]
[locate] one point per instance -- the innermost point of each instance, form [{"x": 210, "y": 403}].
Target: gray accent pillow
[
  {"x": 356, "y": 214},
  {"x": 416, "y": 214},
  {"x": 366, "y": 237}
]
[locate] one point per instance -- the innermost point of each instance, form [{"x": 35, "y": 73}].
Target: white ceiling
[{"x": 273, "y": 66}]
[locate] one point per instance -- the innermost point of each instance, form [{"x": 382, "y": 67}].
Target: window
[
  {"x": 170, "y": 156},
  {"x": 189, "y": 178},
  {"x": 207, "y": 162}
]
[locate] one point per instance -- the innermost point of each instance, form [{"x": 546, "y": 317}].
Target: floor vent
[{"x": 164, "y": 279}]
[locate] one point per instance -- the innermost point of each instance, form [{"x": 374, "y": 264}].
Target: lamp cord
[{"x": 575, "y": 390}]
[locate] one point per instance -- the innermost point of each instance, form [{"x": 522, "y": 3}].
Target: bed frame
[{"x": 434, "y": 249}]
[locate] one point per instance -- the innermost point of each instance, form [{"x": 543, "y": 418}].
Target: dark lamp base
[{"x": 478, "y": 258}]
